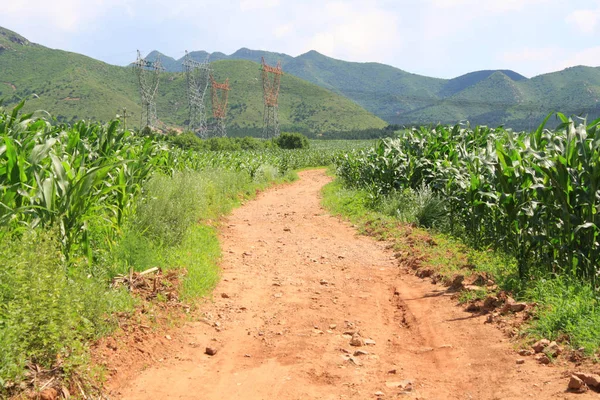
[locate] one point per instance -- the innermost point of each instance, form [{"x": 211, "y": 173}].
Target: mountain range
[
  {"x": 318, "y": 93},
  {"x": 71, "y": 87},
  {"x": 492, "y": 97}
]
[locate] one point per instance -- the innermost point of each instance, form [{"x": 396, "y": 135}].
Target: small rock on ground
[
  {"x": 540, "y": 345},
  {"x": 553, "y": 349},
  {"x": 543, "y": 359},
  {"x": 357, "y": 341},
  {"x": 576, "y": 383},
  {"x": 592, "y": 380},
  {"x": 49, "y": 394},
  {"x": 211, "y": 351}
]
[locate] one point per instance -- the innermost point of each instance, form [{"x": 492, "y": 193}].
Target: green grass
[
  {"x": 198, "y": 254},
  {"x": 567, "y": 310},
  {"x": 47, "y": 315}
]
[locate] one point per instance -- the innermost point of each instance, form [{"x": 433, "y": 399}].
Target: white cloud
[
  {"x": 246, "y": 5},
  {"x": 589, "y": 57},
  {"x": 354, "y": 31},
  {"x": 536, "y": 55},
  {"x": 64, "y": 15},
  {"x": 585, "y": 21},
  {"x": 533, "y": 60},
  {"x": 529, "y": 61},
  {"x": 282, "y": 30},
  {"x": 487, "y": 6}
]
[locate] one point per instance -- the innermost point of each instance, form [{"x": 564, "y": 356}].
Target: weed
[{"x": 45, "y": 308}]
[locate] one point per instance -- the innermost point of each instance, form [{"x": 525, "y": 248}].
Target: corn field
[
  {"x": 66, "y": 177},
  {"x": 533, "y": 195}
]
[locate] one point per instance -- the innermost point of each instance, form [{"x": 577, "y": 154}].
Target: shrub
[
  {"x": 421, "y": 207},
  {"x": 187, "y": 141},
  {"x": 46, "y": 310},
  {"x": 291, "y": 141},
  {"x": 170, "y": 205}
]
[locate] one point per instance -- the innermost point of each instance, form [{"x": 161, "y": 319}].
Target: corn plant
[{"x": 534, "y": 195}]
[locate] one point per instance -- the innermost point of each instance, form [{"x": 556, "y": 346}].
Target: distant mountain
[
  {"x": 462, "y": 82},
  {"x": 72, "y": 86},
  {"x": 318, "y": 93},
  {"x": 491, "y": 97}
]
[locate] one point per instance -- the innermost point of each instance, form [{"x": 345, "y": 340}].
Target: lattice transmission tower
[
  {"x": 220, "y": 93},
  {"x": 271, "y": 77},
  {"x": 148, "y": 73},
  {"x": 198, "y": 76}
]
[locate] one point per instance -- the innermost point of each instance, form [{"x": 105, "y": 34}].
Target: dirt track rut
[{"x": 294, "y": 280}]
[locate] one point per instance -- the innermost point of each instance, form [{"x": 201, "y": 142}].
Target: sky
[{"x": 440, "y": 38}]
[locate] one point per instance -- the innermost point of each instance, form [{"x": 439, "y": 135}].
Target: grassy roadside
[
  {"x": 198, "y": 252},
  {"x": 48, "y": 319},
  {"x": 565, "y": 311}
]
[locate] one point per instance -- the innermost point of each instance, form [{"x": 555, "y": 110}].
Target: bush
[
  {"x": 170, "y": 206},
  {"x": 292, "y": 141},
  {"x": 421, "y": 207},
  {"x": 46, "y": 310},
  {"x": 187, "y": 141}
]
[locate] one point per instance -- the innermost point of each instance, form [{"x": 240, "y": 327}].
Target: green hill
[
  {"x": 72, "y": 86},
  {"x": 68, "y": 85},
  {"x": 489, "y": 97},
  {"x": 302, "y": 105},
  {"x": 500, "y": 100},
  {"x": 474, "y": 101},
  {"x": 462, "y": 82},
  {"x": 382, "y": 89}
]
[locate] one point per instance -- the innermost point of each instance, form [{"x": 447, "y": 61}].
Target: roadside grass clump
[
  {"x": 46, "y": 309},
  {"x": 421, "y": 207},
  {"x": 170, "y": 205},
  {"x": 567, "y": 308},
  {"x": 198, "y": 255}
]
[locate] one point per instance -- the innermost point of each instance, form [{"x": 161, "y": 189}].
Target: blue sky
[{"x": 442, "y": 38}]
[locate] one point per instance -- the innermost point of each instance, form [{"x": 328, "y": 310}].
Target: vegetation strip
[{"x": 531, "y": 197}]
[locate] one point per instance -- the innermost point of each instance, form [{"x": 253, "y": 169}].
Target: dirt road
[{"x": 295, "y": 280}]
